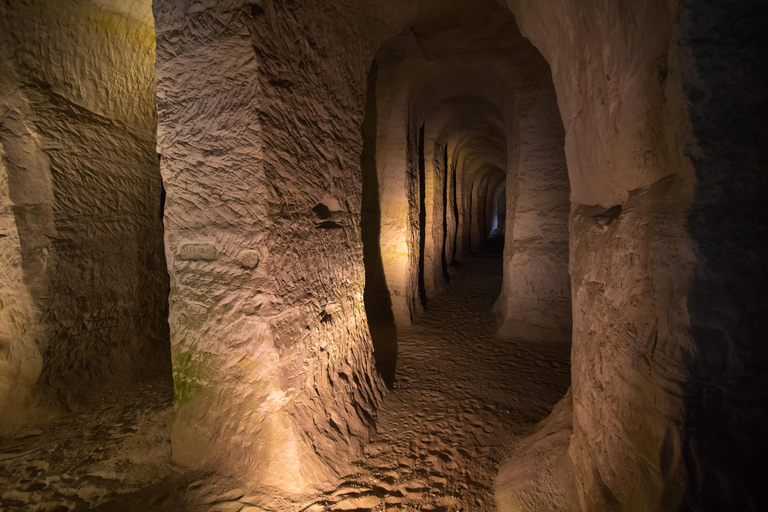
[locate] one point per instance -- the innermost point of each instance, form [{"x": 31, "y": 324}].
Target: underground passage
[{"x": 416, "y": 255}]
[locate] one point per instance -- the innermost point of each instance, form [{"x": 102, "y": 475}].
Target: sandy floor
[{"x": 460, "y": 398}]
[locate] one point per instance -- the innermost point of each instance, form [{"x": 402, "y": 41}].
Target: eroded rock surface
[
  {"x": 84, "y": 301},
  {"x": 644, "y": 116},
  {"x": 267, "y": 111},
  {"x": 462, "y": 397},
  {"x": 273, "y": 365}
]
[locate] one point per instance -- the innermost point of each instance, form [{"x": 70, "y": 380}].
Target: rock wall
[
  {"x": 535, "y": 301},
  {"x": 472, "y": 130},
  {"x": 85, "y": 303},
  {"x": 629, "y": 254},
  {"x": 477, "y": 207},
  {"x": 724, "y": 448},
  {"x": 261, "y": 107},
  {"x": 261, "y": 118},
  {"x": 496, "y": 185},
  {"x": 662, "y": 106},
  {"x": 453, "y": 74},
  {"x": 394, "y": 140},
  {"x": 436, "y": 193},
  {"x": 659, "y": 103},
  {"x": 497, "y": 210},
  {"x": 260, "y": 115}
]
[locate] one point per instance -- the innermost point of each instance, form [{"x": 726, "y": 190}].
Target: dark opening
[
  {"x": 378, "y": 303},
  {"x": 455, "y": 204},
  {"x": 422, "y": 219},
  {"x": 443, "y": 257}
]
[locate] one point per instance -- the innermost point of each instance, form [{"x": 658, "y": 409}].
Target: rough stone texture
[
  {"x": 446, "y": 91},
  {"x": 99, "y": 459},
  {"x": 535, "y": 302},
  {"x": 262, "y": 104},
  {"x": 550, "y": 485},
  {"x": 436, "y": 193},
  {"x": 660, "y": 103},
  {"x": 495, "y": 208},
  {"x": 461, "y": 398},
  {"x": 81, "y": 238},
  {"x": 259, "y": 129},
  {"x": 480, "y": 147},
  {"x": 260, "y": 134}
]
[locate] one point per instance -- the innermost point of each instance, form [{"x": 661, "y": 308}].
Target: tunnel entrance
[
  {"x": 464, "y": 214},
  {"x": 465, "y": 232},
  {"x": 463, "y": 156}
]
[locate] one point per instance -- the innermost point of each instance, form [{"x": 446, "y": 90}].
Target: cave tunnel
[{"x": 383, "y": 255}]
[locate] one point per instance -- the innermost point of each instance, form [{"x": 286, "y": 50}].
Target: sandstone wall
[
  {"x": 473, "y": 131},
  {"x": 659, "y": 104},
  {"x": 477, "y": 206},
  {"x": 435, "y": 80},
  {"x": 86, "y": 303},
  {"x": 435, "y": 262},
  {"x": 261, "y": 111},
  {"x": 261, "y": 108},
  {"x": 535, "y": 301},
  {"x": 629, "y": 254},
  {"x": 260, "y": 115},
  {"x": 496, "y": 185},
  {"x": 497, "y": 209}
]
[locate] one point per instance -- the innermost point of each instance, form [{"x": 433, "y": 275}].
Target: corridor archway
[{"x": 449, "y": 141}]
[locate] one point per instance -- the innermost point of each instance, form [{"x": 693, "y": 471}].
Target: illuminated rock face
[
  {"x": 260, "y": 116},
  {"x": 631, "y": 258},
  {"x": 259, "y": 130},
  {"x": 82, "y": 294},
  {"x": 665, "y": 336},
  {"x": 272, "y": 358},
  {"x": 468, "y": 114},
  {"x": 535, "y": 301},
  {"x": 305, "y": 145}
]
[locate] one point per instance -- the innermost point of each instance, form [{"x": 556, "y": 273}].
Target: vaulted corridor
[
  {"x": 462, "y": 397},
  {"x": 372, "y": 255}
]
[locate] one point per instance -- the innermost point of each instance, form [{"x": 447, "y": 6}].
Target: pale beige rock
[
  {"x": 362, "y": 503},
  {"x": 641, "y": 141},
  {"x": 442, "y": 98},
  {"x": 632, "y": 146},
  {"x": 539, "y": 476},
  {"x": 275, "y": 382},
  {"x": 535, "y": 301},
  {"x": 84, "y": 303}
]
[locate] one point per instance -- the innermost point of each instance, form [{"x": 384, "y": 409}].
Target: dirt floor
[{"x": 461, "y": 397}]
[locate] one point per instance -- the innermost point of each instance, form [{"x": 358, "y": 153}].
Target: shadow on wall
[
  {"x": 727, "y": 400},
  {"x": 83, "y": 194},
  {"x": 378, "y": 303},
  {"x": 443, "y": 256},
  {"x": 422, "y": 219},
  {"x": 496, "y": 238}
]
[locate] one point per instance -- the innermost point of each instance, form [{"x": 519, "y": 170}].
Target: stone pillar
[
  {"x": 87, "y": 295},
  {"x": 666, "y": 309},
  {"x": 535, "y": 301},
  {"x": 272, "y": 357}
]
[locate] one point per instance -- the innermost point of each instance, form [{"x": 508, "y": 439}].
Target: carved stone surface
[
  {"x": 325, "y": 160},
  {"x": 654, "y": 116},
  {"x": 193, "y": 252},
  {"x": 258, "y": 152},
  {"x": 84, "y": 279}
]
